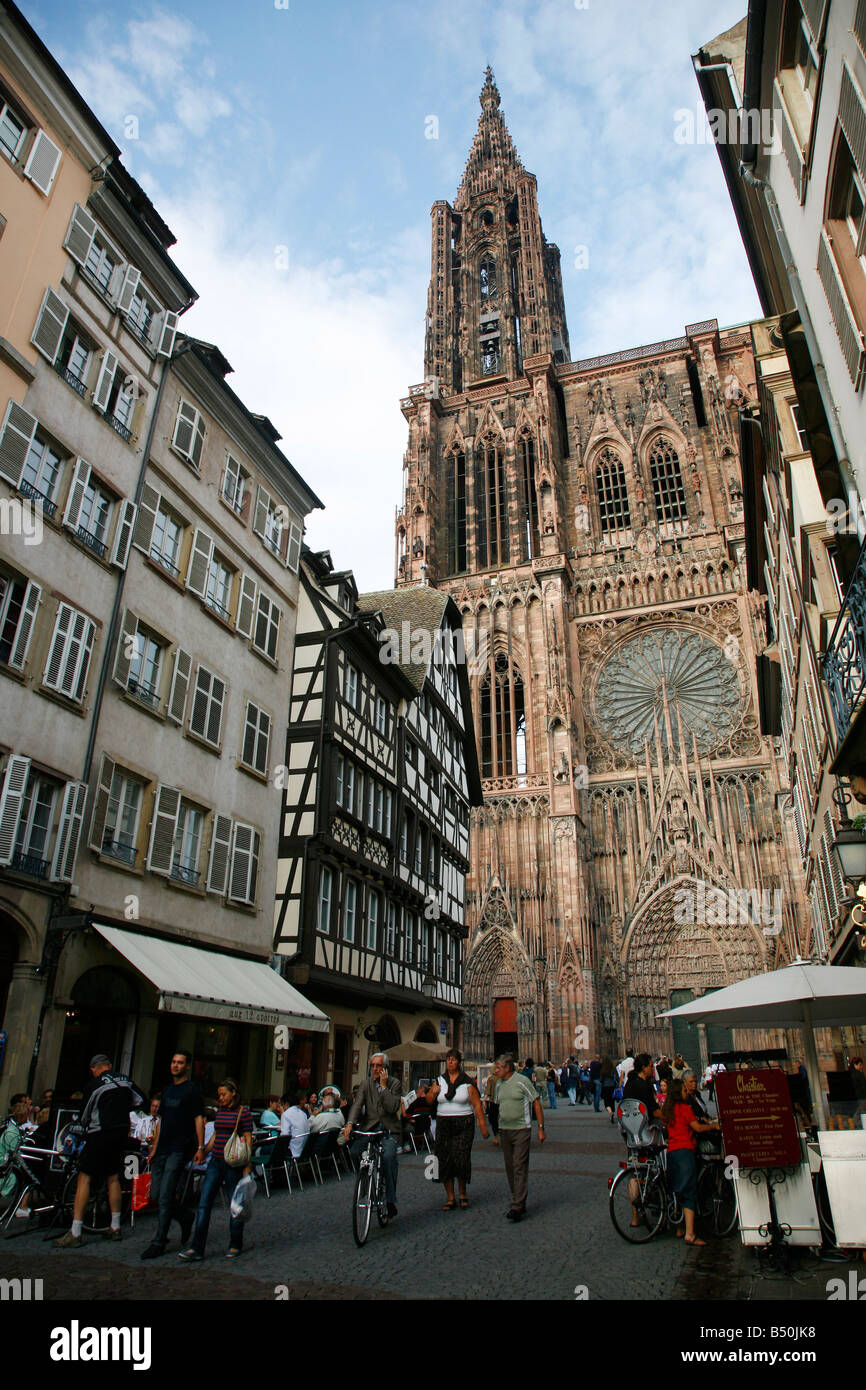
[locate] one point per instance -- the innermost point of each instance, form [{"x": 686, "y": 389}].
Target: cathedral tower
[{"x": 587, "y": 519}]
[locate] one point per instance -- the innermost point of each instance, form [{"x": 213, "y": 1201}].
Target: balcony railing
[
  {"x": 147, "y": 694},
  {"x": 71, "y": 379},
  {"x": 844, "y": 662},
  {"x": 92, "y": 542},
  {"x": 30, "y": 864},
  {"x": 185, "y": 875},
  {"x": 217, "y": 607},
  {"x": 118, "y": 850},
  {"x": 48, "y": 507},
  {"x": 164, "y": 562}
]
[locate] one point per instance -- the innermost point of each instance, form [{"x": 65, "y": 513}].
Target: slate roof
[{"x": 420, "y": 606}]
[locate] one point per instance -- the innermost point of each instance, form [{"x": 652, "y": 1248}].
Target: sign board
[
  {"x": 844, "y": 1156},
  {"x": 758, "y": 1124}
]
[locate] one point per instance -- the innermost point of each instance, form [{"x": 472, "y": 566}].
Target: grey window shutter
[
  {"x": 246, "y": 606},
  {"x": 184, "y": 428},
  {"x": 200, "y": 698},
  {"x": 148, "y": 507},
  {"x": 79, "y": 234},
  {"x": 220, "y": 848},
  {"x": 79, "y": 642},
  {"x": 129, "y": 285},
  {"x": 241, "y": 862},
  {"x": 215, "y": 712},
  {"x": 263, "y": 502},
  {"x": 123, "y": 534},
  {"x": 75, "y": 500},
  {"x": 263, "y": 743},
  {"x": 230, "y": 478},
  {"x": 43, "y": 162},
  {"x": 199, "y": 563},
  {"x": 19, "y": 428},
  {"x": 11, "y": 798},
  {"x": 50, "y": 325},
  {"x": 54, "y": 664},
  {"x": 179, "y": 685},
  {"x": 105, "y": 380},
  {"x": 167, "y": 334},
  {"x": 69, "y": 832},
  {"x": 101, "y": 800},
  {"x": 166, "y": 809},
  {"x": 123, "y": 658},
  {"x": 29, "y": 608}
]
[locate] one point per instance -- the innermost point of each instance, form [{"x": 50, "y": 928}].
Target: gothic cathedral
[{"x": 587, "y": 519}]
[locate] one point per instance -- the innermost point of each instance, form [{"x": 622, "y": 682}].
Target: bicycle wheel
[
  {"x": 637, "y": 1203},
  {"x": 716, "y": 1214},
  {"x": 362, "y": 1208},
  {"x": 381, "y": 1201}
]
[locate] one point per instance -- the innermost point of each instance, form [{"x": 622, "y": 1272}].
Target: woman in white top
[{"x": 458, "y": 1107}]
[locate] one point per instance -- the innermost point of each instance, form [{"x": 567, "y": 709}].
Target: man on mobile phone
[{"x": 381, "y": 1104}]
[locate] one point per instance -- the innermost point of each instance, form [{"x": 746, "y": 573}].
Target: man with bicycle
[
  {"x": 104, "y": 1122},
  {"x": 380, "y": 1102}
]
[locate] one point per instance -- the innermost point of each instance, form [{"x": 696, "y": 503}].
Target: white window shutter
[
  {"x": 199, "y": 563},
  {"x": 123, "y": 656},
  {"x": 167, "y": 332},
  {"x": 29, "y": 608},
  {"x": 148, "y": 507},
  {"x": 230, "y": 478},
  {"x": 11, "y": 798},
  {"x": 79, "y": 234},
  {"x": 294, "y": 552},
  {"x": 166, "y": 809},
  {"x": 241, "y": 862},
  {"x": 100, "y": 803},
  {"x": 50, "y": 325},
  {"x": 263, "y": 743},
  {"x": 19, "y": 427},
  {"x": 75, "y": 500},
  {"x": 69, "y": 832},
  {"x": 123, "y": 534},
  {"x": 128, "y": 286},
  {"x": 67, "y": 668},
  {"x": 179, "y": 685},
  {"x": 246, "y": 606},
  {"x": 220, "y": 849},
  {"x": 105, "y": 380},
  {"x": 263, "y": 502},
  {"x": 43, "y": 162}
]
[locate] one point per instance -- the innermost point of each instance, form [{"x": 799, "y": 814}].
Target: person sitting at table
[
  {"x": 312, "y": 1106},
  {"x": 270, "y": 1116},
  {"x": 327, "y": 1118},
  {"x": 420, "y": 1106},
  {"x": 295, "y": 1121}
]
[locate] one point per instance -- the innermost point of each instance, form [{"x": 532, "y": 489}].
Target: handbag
[{"x": 239, "y": 1148}]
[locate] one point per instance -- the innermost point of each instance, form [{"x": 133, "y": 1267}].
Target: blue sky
[{"x": 286, "y": 147}]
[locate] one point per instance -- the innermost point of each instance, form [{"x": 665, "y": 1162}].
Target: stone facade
[{"x": 587, "y": 519}]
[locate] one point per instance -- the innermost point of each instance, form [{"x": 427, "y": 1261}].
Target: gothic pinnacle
[{"x": 489, "y": 92}]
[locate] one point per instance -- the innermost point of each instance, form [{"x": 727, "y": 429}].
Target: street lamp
[
  {"x": 428, "y": 987},
  {"x": 851, "y": 848}
]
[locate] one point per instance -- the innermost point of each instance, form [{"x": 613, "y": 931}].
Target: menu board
[{"x": 758, "y": 1124}]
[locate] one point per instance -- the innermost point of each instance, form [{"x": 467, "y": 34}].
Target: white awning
[{"x": 211, "y": 984}]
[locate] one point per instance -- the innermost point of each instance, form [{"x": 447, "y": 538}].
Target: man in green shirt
[{"x": 518, "y": 1100}]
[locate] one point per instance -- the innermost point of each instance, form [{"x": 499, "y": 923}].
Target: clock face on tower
[{"x": 673, "y": 669}]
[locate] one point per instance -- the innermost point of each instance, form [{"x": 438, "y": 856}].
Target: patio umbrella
[
  {"x": 417, "y": 1052},
  {"x": 800, "y": 996}
]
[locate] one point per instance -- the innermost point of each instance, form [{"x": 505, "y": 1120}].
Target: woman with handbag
[{"x": 230, "y": 1148}]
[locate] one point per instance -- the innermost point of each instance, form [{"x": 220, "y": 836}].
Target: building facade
[
  {"x": 148, "y": 587},
  {"x": 382, "y": 773},
  {"x": 587, "y": 519}
]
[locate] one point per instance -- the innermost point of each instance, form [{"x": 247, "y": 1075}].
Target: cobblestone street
[{"x": 305, "y": 1241}]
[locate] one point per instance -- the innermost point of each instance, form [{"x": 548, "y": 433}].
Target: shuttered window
[
  {"x": 220, "y": 850},
  {"x": 188, "y": 439},
  {"x": 19, "y": 603},
  {"x": 243, "y": 876},
  {"x": 42, "y": 163},
  {"x": 208, "y": 699},
  {"x": 266, "y": 633},
  {"x": 69, "y": 653},
  {"x": 323, "y": 906},
  {"x": 350, "y": 909},
  {"x": 257, "y": 737},
  {"x": 373, "y": 913}
]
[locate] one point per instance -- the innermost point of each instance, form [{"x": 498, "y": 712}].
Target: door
[{"x": 505, "y": 1026}]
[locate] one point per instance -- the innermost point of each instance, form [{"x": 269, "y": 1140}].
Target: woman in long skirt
[{"x": 458, "y": 1107}]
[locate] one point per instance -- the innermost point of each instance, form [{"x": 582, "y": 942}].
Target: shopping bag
[
  {"x": 242, "y": 1198},
  {"x": 140, "y": 1191}
]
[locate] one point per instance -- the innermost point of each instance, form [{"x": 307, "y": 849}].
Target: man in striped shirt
[{"x": 518, "y": 1100}]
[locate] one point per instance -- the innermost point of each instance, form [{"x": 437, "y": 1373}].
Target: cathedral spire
[{"x": 493, "y": 164}]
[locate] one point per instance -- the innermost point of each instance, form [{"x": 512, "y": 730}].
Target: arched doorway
[
  {"x": 500, "y": 990},
  {"x": 426, "y": 1034},
  {"x": 387, "y": 1033},
  {"x": 103, "y": 1016},
  {"x": 8, "y": 957}
]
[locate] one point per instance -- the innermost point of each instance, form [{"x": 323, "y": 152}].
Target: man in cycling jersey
[
  {"x": 104, "y": 1122},
  {"x": 380, "y": 1102}
]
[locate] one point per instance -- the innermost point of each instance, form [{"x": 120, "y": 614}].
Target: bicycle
[
  {"x": 716, "y": 1213},
  {"x": 369, "y": 1187},
  {"x": 54, "y": 1191}
]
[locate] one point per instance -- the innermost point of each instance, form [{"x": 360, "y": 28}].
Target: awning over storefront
[{"x": 211, "y": 984}]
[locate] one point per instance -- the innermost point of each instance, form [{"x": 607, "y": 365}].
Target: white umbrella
[{"x": 797, "y": 996}]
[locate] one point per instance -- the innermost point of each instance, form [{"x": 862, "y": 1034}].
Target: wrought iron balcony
[
  {"x": 164, "y": 562},
  {"x": 118, "y": 850},
  {"x": 28, "y": 490},
  {"x": 844, "y": 661},
  {"x": 71, "y": 379},
  {"x": 119, "y": 427},
  {"x": 30, "y": 864},
  {"x": 147, "y": 694},
  {"x": 92, "y": 542},
  {"x": 185, "y": 875}
]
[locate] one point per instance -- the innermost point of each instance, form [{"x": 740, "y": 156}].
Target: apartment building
[{"x": 148, "y": 586}]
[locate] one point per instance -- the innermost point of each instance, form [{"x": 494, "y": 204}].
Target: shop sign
[{"x": 758, "y": 1124}]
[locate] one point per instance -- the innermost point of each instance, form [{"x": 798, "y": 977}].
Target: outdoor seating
[{"x": 324, "y": 1150}]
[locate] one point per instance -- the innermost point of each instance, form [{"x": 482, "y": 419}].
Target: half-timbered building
[{"x": 381, "y": 773}]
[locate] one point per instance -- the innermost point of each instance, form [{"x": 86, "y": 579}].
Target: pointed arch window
[
  {"x": 491, "y": 508},
  {"x": 667, "y": 480},
  {"x": 613, "y": 507},
  {"x": 503, "y": 721},
  {"x": 455, "y": 511},
  {"x": 529, "y": 497},
  {"x": 487, "y": 286}
]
